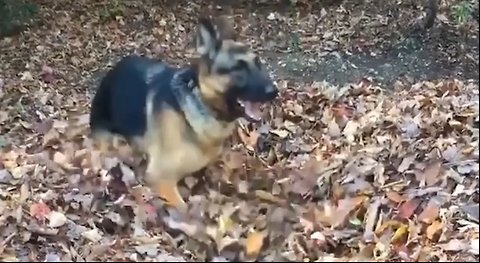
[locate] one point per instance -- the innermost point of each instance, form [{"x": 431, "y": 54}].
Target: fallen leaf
[
  {"x": 167, "y": 257},
  {"x": 254, "y": 243},
  {"x": 474, "y": 246},
  {"x": 333, "y": 129},
  {"x": 395, "y": 197},
  {"x": 128, "y": 176},
  {"x": 455, "y": 245},
  {"x": 56, "y": 219},
  {"x": 93, "y": 235},
  {"x": 400, "y": 234},
  {"x": 382, "y": 247},
  {"x": 280, "y": 133},
  {"x": 432, "y": 172},
  {"x": 472, "y": 211},
  {"x": 47, "y": 74},
  {"x": 150, "y": 250},
  {"x": 5, "y": 176},
  {"x": 430, "y": 213},
  {"x": 249, "y": 139},
  {"x": 24, "y": 192},
  {"x": 345, "y": 206},
  {"x": 372, "y": 213},
  {"x": 406, "y": 162},
  {"x": 435, "y": 228},
  {"x": 266, "y": 196},
  {"x": 342, "y": 111},
  {"x": 351, "y": 130},
  {"x": 52, "y": 257},
  {"x": 320, "y": 239},
  {"x": 407, "y": 209},
  {"x": 3, "y": 116},
  {"x": 39, "y": 210},
  {"x": 60, "y": 158}
]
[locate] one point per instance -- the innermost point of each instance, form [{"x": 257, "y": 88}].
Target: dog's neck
[{"x": 202, "y": 118}]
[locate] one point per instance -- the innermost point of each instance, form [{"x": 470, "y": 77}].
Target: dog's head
[{"x": 232, "y": 78}]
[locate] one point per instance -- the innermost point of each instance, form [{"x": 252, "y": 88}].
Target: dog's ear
[{"x": 208, "y": 38}]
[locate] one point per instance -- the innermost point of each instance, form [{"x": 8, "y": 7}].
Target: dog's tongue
[{"x": 252, "y": 110}]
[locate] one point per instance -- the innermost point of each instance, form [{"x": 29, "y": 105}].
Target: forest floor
[{"x": 370, "y": 153}]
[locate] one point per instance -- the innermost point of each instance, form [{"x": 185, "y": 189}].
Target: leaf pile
[{"x": 333, "y": 171}]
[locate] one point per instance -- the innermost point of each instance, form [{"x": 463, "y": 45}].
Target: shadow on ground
[{"x": 339, "y": 68}]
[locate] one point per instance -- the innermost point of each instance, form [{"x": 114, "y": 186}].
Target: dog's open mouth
[{"x": 252, "y": 110}]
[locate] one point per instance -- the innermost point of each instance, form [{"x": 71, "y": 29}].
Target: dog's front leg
[
  {"x": 163, "y": 181},
  {"x": 167, "y": 189}
]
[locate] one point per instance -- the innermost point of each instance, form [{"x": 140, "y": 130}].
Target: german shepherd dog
[{"x": 181, "y": 117}]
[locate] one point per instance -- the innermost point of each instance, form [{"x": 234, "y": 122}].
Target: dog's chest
[
  {"x": 184, "y": 158},
  {"x": 179, "y": 145}
]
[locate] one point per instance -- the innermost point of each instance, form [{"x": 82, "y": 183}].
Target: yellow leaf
[
  {"x": 254, "y": 243},
  {"x": 388, "y": 224},
  {"x": 224, "y": 224},
  {"x": 401, "y": 232}
]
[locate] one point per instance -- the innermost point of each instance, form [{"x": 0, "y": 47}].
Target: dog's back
[{"x": 119, "y": 105}]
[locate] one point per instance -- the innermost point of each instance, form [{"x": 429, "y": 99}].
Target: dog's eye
[
  {"x": 224, "y": 71},
  {"x": 240, "y": 65}
]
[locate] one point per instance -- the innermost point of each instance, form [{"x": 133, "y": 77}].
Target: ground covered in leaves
[{"x": 335, "y": 173}]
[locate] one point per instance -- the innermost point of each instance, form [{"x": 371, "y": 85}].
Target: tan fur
[
  {"x": 176, "y": 151},
  {"x": 212, "y": 88}
]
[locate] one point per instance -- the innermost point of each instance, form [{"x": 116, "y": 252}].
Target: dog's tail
[{"x": 100, "y": 115}]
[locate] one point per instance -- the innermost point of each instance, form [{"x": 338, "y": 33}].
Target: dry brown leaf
[
  {"x": 254, "y": 243},
  {"x": 430, "y": 213},
  {"x": 406, "y": 162},
  {"x": 3, "y": 116},
  {"x": 24, "y": 192},
  {"x": 264, "y": 195},
  {"x": 333, "y": 129},
  {"x": 345, "y": 206},
  {"x": 455, "y": 245},
  {"x": 382, "y": 247},
  {"x": 280, "y": 133},
  {"x": 249, "y": 138},
  {"x": 407, "y": 209},
  {"x": 60, "y": 158},
  {"x": 342, "y": 111},
  {"x": 233, "y": 160},
  {"x": 435, "y": 228},
  {"x": 39, "y": 210},
  {"x": 351, "y": 130},
  {"x": 395, "y": 197},
  {"x": 372, "y": 212},
  {"x": 93, "y": 235},
  {"x": 432, "y": 172}
]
